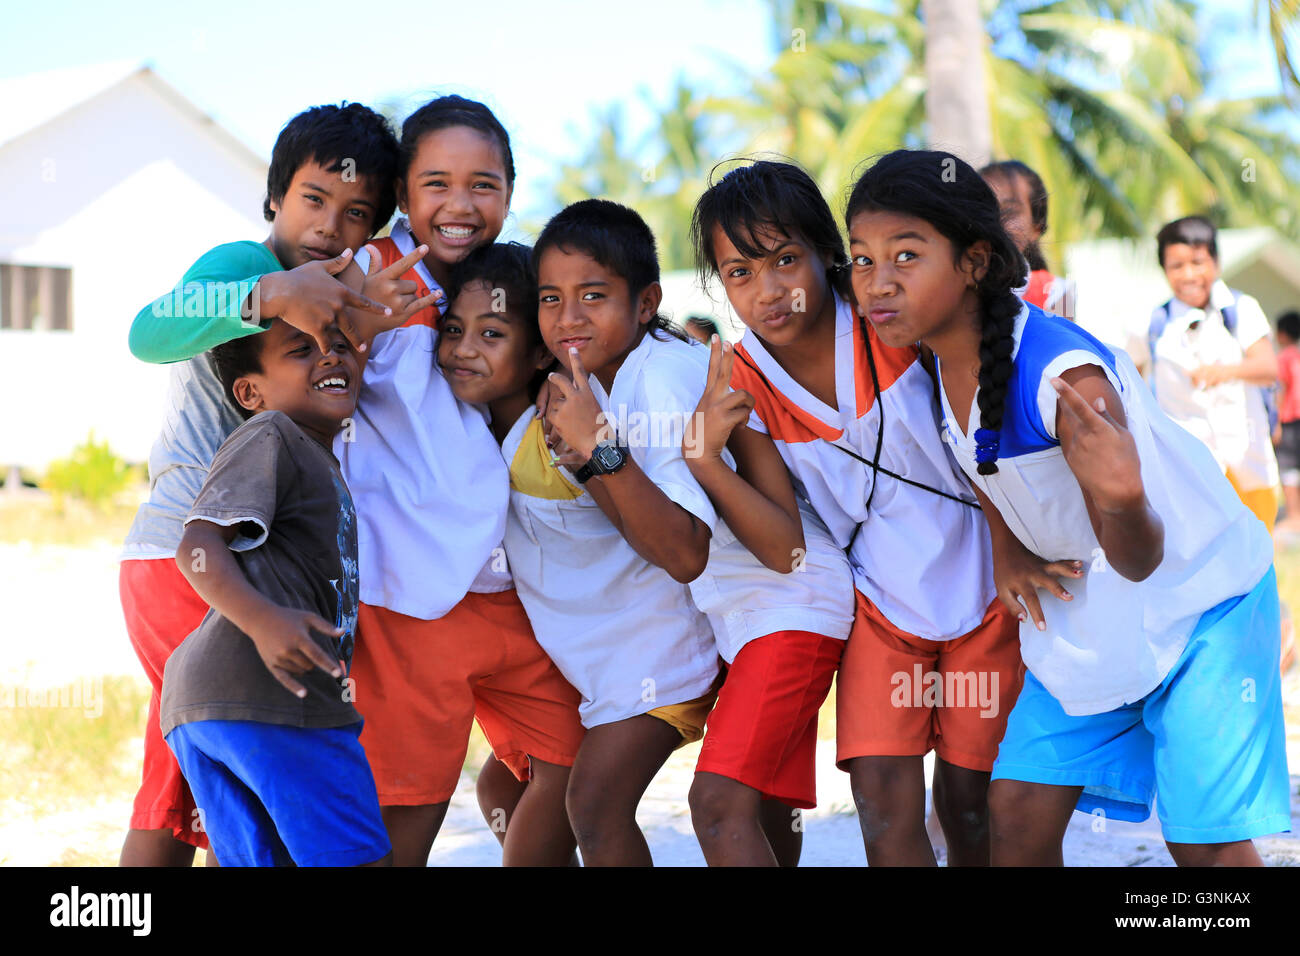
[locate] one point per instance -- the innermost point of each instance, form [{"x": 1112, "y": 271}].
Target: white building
[{"x": 113, "y": 184}]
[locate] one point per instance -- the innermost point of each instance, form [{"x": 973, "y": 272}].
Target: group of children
[{"x": 435, "y": 479}]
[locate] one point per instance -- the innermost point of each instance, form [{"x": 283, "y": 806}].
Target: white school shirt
[
  {"x": 924, "y": 560},
  {"x": 1117, "y": 639},
  {"x": 426, "y": 475},
  {"x": 620, "y": 629},
  {"x": 1229, "y": 418},
  {"x": 746, "y": 600}
]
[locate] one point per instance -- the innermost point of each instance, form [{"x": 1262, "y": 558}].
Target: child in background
[
  {"x": 1210, "y": 360},
  {"x": 318, "y": 217},
  {"x": 254, "y": 704},
  {"x": 602, "y": 550},
  {"x": 1159, "y": 674},
  {"x": 853, "y": 419},
  {"x": 443, "y": 636},
  {"x": 1023, "y": 200},
  {"x": 1288, "y": 430},
  {"x": 491, "y": 352}
]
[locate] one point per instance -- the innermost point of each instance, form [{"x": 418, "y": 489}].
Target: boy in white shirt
[{"x": 1206, "y": 356}]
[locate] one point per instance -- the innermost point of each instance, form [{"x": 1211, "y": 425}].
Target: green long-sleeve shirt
[{"x": 206, "y": 307}]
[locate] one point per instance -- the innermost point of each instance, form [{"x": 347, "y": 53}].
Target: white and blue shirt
[{"x": 1118, "y": 639}]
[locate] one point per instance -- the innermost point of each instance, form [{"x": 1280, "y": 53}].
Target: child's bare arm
[
  {"x": 656, "y": 527},
  {"x": 757, "y": 499},
  {"x": 282, "y": 635},
  {"x": 1091, "y": 425}
]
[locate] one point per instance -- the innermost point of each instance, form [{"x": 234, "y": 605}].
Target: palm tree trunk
[{"x": 956, "y": 97}]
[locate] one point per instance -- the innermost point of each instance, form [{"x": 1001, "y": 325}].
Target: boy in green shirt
[{"x": 330, "y": 187}]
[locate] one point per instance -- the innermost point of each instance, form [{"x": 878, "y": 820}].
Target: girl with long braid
[
  {"x": 1158, "y": 673},
  {"x": 932, "y": 661}
]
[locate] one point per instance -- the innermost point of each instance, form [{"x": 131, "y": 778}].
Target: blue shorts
[
  {"x": 273, "y": 795},
  {"x": 1209, "y": 739}
]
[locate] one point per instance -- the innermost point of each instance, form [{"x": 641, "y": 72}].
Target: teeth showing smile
[
  {"x": 456, "y": 232},
  {"x": 334, "y": 382}
]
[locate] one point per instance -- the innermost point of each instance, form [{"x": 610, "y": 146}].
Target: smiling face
[
  {"x": 320, "y": 215},
  {"x": 780, "y": 296},
  {"x": 584, "y": 305},
  {"x": 906, "y": 280},
  {"x": 1191, "y": 272},
  {"x": 455, "y": 194},
  {"x": 485, "y": 351},
  {"x": 317, "y": 391}
]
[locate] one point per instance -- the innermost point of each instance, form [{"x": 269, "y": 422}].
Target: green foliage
[
  {"x": 92, "y": 473},
  {"x": 1104, "y": 98}
]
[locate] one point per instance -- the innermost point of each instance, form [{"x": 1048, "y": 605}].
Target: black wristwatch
[{"x": 607, "y": 458}]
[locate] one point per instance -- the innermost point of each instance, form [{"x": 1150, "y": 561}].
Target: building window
[{"x": 36, "y": 298}]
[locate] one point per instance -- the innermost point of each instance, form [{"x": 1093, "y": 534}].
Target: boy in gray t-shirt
[{"x": 255, "y": 704}]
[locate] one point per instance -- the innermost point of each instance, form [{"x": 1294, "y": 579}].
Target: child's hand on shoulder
[
  {"x": 283, "y": 638},
  {"x": 573, "y": 415},
  {"x": 720, "y": 410},
  {"x": 312, "y": 299}
]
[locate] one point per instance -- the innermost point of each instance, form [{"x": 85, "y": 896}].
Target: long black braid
[{"x": 953, "y": 198}]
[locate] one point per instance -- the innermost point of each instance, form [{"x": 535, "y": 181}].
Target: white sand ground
[{"x": 61, "y": 626}]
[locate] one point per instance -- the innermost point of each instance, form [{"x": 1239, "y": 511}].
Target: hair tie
[{"x": 986, "y": 444}]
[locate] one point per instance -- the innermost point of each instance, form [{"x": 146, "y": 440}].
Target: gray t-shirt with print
[{"x": 297, "y": 545}]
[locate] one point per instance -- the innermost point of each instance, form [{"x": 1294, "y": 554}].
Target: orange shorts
[
  {"x": 161, "y": 610},
  {"x": 900, "y": 696},
  {"x": 420, "y": 685}
]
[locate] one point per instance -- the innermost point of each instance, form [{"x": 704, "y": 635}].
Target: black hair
[
  {"x": 330, "y": 135},
  {"x": 507, "y": 266},
  {"x": 705, "y": 323},
  {"x": 448, "y": 111},
  {"x": 1009, "y": 170},
  {"x": 1188, "y": 231},
  {"x": 616, "y": 237},
  {"x": 235, "y": 359},
  {"x": 948, "y": 194},
  {"x": 1288, "y": 323},
  {"x": 762, "y": 196}
]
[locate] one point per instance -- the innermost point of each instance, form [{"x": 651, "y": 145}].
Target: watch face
[{"x": 608, "y": 456}]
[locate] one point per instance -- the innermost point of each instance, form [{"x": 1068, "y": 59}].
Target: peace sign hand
[
  {"x": 720, "y": 410},
  {"x": 385, "y": 284},
  {"x": 573, "y": 414},
  {"x": 1100, "y": 451}
]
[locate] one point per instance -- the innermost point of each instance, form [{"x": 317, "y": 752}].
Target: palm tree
[
  {"x": 1283, "y": 25},
  {"x": 956, "y": 97}
]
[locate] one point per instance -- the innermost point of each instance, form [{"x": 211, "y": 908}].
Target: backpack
[{"x": 1229, "y": 313}]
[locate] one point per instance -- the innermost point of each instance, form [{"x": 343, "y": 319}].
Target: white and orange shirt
[
  {"x": 430, "y": 488},
  {"x": 923, "y": 559}
]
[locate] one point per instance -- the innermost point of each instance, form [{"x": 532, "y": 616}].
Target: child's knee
[{"x": 714, "y": 800}]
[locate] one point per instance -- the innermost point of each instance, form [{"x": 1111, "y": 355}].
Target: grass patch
[
  {"x": 34, "y": 518},
  {"x": 55, "y": 756}
]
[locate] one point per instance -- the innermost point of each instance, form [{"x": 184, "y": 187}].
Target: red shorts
[
  {"x": 421, "y": 684},
  {"x": 161, "y": 611},
  {"x": 763, "y": 730},
  {"x": 900, "y": 695}
]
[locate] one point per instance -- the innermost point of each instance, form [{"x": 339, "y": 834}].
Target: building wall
[{"x": 127, "y": 189}]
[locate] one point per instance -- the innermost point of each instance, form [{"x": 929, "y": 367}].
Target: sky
[{"x": 543, "y": 67}]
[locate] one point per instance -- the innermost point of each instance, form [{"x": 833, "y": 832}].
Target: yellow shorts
[
  {"x": 1262, "y": 502},
  {"x": 688, "y": 717}
]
